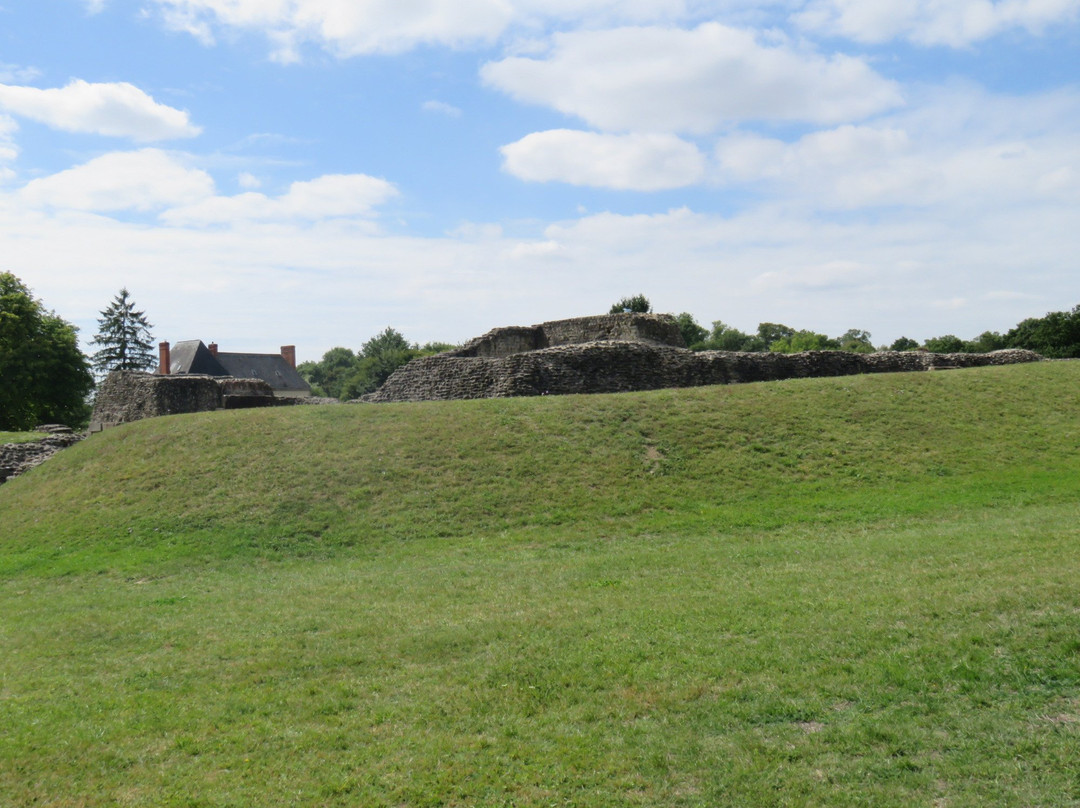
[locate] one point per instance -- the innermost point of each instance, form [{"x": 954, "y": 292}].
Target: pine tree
[{"x": 124, "y": 337}]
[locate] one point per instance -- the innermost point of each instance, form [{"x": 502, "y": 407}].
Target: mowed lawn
[{"x": 851, "y": 591}]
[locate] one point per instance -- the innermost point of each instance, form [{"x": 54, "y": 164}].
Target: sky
[{"x": 267, "y": 172}]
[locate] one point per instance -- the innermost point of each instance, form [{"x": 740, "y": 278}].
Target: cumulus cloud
[
  {"x": 345, "y": 27},
  {"x": 671, "y": 80},
  {"x": 639, "y": 162},
  {"x": 955, "y": 23},
  {"x": 113, "y": 109},
  {"x": 143, "y": 180},
  {"x": 350, "y": 28},
  {"x": 8, "y": 150},
  {"x": 328, "y": 197},
  {"x": 960, "y": 147}
]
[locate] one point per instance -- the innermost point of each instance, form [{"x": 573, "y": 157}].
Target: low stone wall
[
  {"x": 612, "y": 367},
  {"x": 17, "y": 458},
  {"x": 628, "y": 327},
  {"x": 127, "y": 395}
]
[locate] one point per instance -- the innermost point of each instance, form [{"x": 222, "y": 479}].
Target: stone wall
[
  {"x": 612, "y": 366},
  {"x": 628, "y": 327},
  {"x": 127, "y": 395},
  {"x": 16, "y": 458}
]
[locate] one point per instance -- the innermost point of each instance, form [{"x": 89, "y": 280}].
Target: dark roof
[
  {"x": 271, "y": 368},
  {"x": 192, "y": 356}
]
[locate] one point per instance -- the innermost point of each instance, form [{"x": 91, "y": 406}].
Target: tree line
[
  {"x": 1055, "y": 336},
  {"x": 346, "y": 374},
  {"x": 45, "y": 378}
]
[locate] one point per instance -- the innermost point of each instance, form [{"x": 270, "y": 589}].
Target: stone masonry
[
  {"x": 16, "y": 458},
  {"x": 625, "y": 352},
  {"x": 128, "y": 395}
]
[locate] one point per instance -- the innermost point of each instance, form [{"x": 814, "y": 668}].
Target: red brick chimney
[
  {"x": 212, "y": 347},
  {"x": 164, "y": 359},
  {"x": 289, "y": 353}
]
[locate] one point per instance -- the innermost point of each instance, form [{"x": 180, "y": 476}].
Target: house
[{"x": 194, "y": 357}]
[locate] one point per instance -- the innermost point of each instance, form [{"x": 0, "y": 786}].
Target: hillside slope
[
  {"x": 851, "y": 591},
  {"x": 303, "y": 480}
]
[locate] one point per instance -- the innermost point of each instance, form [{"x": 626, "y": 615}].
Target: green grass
[
  {"x": 855, "y": 591},
  {"x": 20, "y": 437}
]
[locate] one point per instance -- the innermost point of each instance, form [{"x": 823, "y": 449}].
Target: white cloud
[
  {"x": 345, "y": 27},
  {"x": 8, "y": 150},
  {"x": 328, "y": 197},
  {"x": 955, "y": 23},
  {"x": 442, "y": 108},
  {"x": 15, "y": 73},
  {"x": 116, "y": 110},
  {"x": 958, "y": 147},
  {"x": 639, "y": 162},
  {"x": 143, "y": 180},
  {"x": 670, "y": 80},
  {"x": 350, "y": 28}
]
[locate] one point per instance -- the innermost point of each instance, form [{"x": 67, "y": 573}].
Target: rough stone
[
  {"x": 127, "y": 395},
  {"x": 17, "y": 458},
  {"x": 635, "y": 352}
]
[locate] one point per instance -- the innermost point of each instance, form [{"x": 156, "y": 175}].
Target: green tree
[
  {"x": 329, "y": 375},
  {"x": 904, "y": 344},
  {"x": 124, "y": 337},
  {"x": 724, "y": 337},
  {"x": 986, "y": 342},
  {"x": 638, "y": 303},
  {"x": 769, "y": 333},
  {"x": 856, "y": 341},
  {"x": 1057, "y": 335},
  {"x": 950, "y": 343},
  {"x": 804, "y": 341},
  {"x": 44, "y": 377},
  {"x": 692, "y": 332}
]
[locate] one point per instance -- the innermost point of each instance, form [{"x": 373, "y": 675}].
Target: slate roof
[
  {"x": 271, "y": 368},
  {"x": 192, "y": 356}
]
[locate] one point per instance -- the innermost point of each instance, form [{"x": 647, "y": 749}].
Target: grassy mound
[{"x": 834, "y": 591}]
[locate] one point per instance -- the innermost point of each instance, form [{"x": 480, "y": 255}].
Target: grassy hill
[{"x": 859, "y": 590}]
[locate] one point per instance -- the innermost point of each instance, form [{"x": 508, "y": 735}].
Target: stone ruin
[
  {"x": 16, "y": 458},
  {"x": 128, "y": 395},
  {"x": 625, "y": 352}
]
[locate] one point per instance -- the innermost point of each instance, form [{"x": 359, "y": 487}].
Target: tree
[
  {"x": 724, "y": 337},
  {"x": 856, "y": 341},
  {"x": 692, "y": 332},
  {"x": 904, "y": 344},
  {"x": 124, "y": 337},
  {"x": 343, "y": 374},
  {"x": 986, "y": 342},
  {"x": 328, "y": 376},
  {"x": 638, "y": 303},
  {"x": 44, "y": 377},
  {"x": 769, "y": 333},
  {"x": 950, "y": 343},
  {"x": 804, "y": 341},
  {"x": 1057, "y": 335}
]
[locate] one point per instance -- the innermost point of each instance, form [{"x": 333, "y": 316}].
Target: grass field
[
  {"x": 20, "y": 437},
  {"x": 852, "y": 591}
]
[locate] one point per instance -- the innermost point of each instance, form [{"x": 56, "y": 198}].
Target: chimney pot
[{"x": 212, "y": 347}]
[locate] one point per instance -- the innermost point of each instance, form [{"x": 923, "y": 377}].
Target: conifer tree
[{"x": 124, "y": 337}]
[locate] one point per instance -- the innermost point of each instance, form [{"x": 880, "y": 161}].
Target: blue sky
[{"x": 263, "y": 172}]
